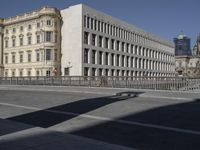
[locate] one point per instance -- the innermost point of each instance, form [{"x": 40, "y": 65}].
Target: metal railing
[{"x": 156, "y": 83}]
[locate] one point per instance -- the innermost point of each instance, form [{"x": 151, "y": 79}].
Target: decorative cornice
[{"x": 44, "y": 11}]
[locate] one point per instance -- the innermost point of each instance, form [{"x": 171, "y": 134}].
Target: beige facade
[
  {"x": 1, "y": 47},
  {"x": 32, "y": 43}
]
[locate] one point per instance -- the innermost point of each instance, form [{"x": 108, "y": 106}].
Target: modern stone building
[
  {"x": 96, "y": 44},
  {"x": 80, "y": 41}
]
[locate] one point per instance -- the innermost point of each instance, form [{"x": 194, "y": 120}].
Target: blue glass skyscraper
[{"x": 182, "y": 45}]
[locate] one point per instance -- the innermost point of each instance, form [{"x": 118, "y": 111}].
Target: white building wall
[
  {"x": 156, "y": 50},
  {"x": 72, "y": 40}
]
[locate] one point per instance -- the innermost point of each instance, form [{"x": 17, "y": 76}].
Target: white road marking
[{"x": 108, "y": 119}]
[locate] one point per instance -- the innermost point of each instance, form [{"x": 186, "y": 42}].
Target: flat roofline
[{"x": 142, "y": 31}]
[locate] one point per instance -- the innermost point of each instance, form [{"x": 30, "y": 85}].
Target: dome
[{"x": 181, "y": 35}]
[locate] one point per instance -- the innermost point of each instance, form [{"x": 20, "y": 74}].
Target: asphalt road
[{"x": 29, "y": 116}]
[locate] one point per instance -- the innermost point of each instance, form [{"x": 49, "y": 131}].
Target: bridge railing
[{"x": 156, "y": 83}]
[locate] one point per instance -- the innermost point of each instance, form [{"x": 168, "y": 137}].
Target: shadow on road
[
  {"x": 178, "y": 116},
  {"x": 55, "y": 115}
]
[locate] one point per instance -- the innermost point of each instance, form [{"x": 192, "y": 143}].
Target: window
[
  {"x": 118, "y": 45},
  {"x": 21, "y": 73},
  {"x": 29, "y": 57},
  {"x": 93, "y": 39},
  {"x": 118, "y": 58},
  {"x": 86, "y": 71},
  {"x": 106, "y": 72},
  {"x": 21, "y": 41},
  {"x": 29, "y": 73},
  {"x": 84, "y": 21},
  {"x": 92, "y": 20},
  {"x": 48, "y": 54},
  {"x": 21, "y": 28},
  {"x": 48, "y": 36},
  {"x": 29, "y": 27},
  {"x": 106, "y": 57},
  {"x": 13, "y": 42},
  {"x": 127, "y": 47},
  {"x": 48, "y": 22},
  {"x": 38, "y": 38},
  {"x": 112, "y": 43},
  {"x": 86, "y": 37},
  {"x": 88, "y": 21},
  {"x": 29, "y": 40},
  {"x": 48, "y": 73},
  {"x": 95, "y": 24},
  {"x": 93, "y": 71},
  {"x": 112, "y": 72},
  {"x": 7, "y": 31},
  {"x": 6, "y": 59},
  {"x": 127, "y": 61},
  {"x": 21, "y": 58},
  {"x": 93, "y": 56},
  {"x": 14, "y": 30},
  {"x": 122, "y": 61},
  {"x": 66, "y": 71},
  {"x": 13, "y": 73},
  {"x": 106, "y": 42},
  {"x": 123, "y": 47},
  {"x": 100, "y": 72},
  {"x": 38, "y": 25},
  {"x": 100, "y": 41},
  {"x": 6, "y": 73},
  {"x": 86, "y": 55},
  {"x": 100, "y": 58},
  {"x": 37, "y": 56},
  {"x": 6, "y": 43},
  {"x": 112, "y": 59},
  {"x": 37, "y": 73},
  {"x": 13, "y": 58}
]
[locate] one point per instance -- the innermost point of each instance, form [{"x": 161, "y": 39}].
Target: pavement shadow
[
  {"x": 171, "y": 127},
  {"x": 55, "y": 115}
]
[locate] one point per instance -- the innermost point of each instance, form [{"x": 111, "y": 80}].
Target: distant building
[
  {"x": 182, "y": 45},
  {"x": 196, "y": 48},
  {"x": 189, "y": 66}
]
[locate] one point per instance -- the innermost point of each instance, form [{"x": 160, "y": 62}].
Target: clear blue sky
[{"x": 165, "y": 18}]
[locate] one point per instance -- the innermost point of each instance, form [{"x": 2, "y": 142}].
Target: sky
[{"x": 165, "y": 18}]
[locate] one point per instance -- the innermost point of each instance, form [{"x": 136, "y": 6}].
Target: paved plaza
[{"x": 80, "y": 118}]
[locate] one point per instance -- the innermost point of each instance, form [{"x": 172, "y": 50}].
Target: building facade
[
  {"x": 80, "y": 41},
  {"x": 196, "y": 48},
  {"x": 32, "y": 43},
  {"x": 189, "y": 66},
  {"x": 96, "y": 44},
  {"x": 1, "y": 47},
  {"x": 182, "y": 45}
]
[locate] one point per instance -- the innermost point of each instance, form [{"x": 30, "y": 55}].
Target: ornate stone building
[
  {"x": 32, "y": 43},
  {"x": 1, "y": 47}
]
